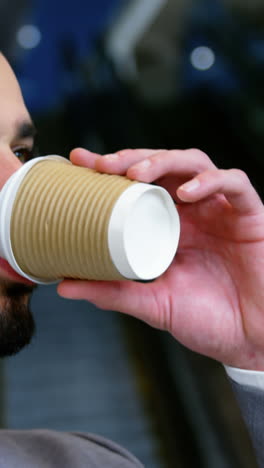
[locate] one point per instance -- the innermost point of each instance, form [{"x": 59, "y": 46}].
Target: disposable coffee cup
[{"x": 58, "y": 220}]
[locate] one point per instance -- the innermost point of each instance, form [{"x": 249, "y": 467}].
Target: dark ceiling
[{"x": 11, "y": 13}]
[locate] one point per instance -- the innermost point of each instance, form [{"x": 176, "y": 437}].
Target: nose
[{"x": 9, "y": 164}]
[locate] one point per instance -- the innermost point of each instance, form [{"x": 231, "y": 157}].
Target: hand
[{"x": 211, "y": 299}]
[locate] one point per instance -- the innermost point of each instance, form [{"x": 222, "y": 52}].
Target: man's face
[{"x": 16, "y": 142}]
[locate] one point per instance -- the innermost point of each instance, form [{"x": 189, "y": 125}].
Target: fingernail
[
  {"x": 190, "y": 186},
  {"x": 112, "y": 156}
]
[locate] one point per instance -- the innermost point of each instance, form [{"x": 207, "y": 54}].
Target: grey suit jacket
[
  {"x": 51, "y": 449},
  {"x": 251, "y": 402}
]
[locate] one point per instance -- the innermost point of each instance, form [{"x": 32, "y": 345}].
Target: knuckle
[
  {"x": 200, "y": 159},
  {"x": 124, "y": 152},
  {"x": 197, "y": 153},
  {"x": 240, "y": 175},
  {"x": 209, "y": 175},
  {"x": 156, "y": 158}
]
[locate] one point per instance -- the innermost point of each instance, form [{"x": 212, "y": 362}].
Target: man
[
  {"x": 26, "y": 449},
  {"x": 210, "y": 299}
]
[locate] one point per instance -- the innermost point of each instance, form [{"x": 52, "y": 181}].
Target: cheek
[{"x": 8, "y": 164}]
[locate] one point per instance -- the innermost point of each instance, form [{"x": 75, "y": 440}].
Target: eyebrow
[{"x": 25, "y": 130}]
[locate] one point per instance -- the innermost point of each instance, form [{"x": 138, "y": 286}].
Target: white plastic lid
[
  {"x": 7, "y": 199},
  {"x": 143, "y": 232}
]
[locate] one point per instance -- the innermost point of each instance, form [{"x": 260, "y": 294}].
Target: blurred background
[{"x": 107, "y": 75}]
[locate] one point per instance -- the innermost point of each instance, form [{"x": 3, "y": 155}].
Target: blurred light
[
  {"x": 128, "y": 30},
  {"x": 28, "y": 36},
  {"x": 202, "y": 58}
]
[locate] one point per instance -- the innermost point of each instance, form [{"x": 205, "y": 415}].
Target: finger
[
  {"x": 234, "y": 184},
  {"x": 84, "y": 158},
  {"x": 123, "y": 296},
  {"x": 119, "y": 162},
  {"x": 181, "y": 163}
]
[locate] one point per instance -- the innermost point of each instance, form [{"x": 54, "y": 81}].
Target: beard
[{"x": 17, "y": 325}]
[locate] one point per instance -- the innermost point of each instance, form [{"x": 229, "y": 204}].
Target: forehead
[
  {"x": 12, "y": 107},
  {"x": 8, "y": 81}
]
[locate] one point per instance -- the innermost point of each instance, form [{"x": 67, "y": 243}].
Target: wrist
[{"x": 248, "y": 358}]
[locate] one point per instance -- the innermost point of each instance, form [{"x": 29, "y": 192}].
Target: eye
[{"x": 23, "y": 154}]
